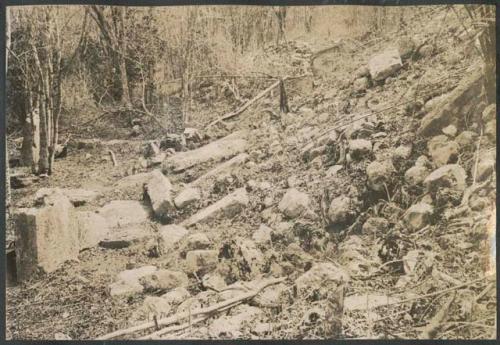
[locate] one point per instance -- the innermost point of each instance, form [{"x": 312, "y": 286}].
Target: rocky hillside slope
[{"x": 366, "y": 211}]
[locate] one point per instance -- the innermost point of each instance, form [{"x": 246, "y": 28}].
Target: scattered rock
[
  {"x": 122, "y": 237},
  {"x": 172, "y": 234},
  {"x": 375, "y": 226},
  {"x": 423, "y": 161},
  {"x": 385, "y": 64},
  {"x": 341, "y": 210},
  {"x": 224, "y": 148},
  {"x": 187, "y": 197},
  {"x": 379, "y": 174},
  {"x": 120, "y": 213},
  {"x": 324, "y": 273},
  {"x": 448, "y": 176},
  {"x": 193, "y": 135},
  {"x": 443, "y": 151},
  {"x": 485, "y": 167},
  {"x": 459, "y": 103},
  {"x": 466, "y": 138},
  {"x": 293, "y": 181},
  {"x": 159, "y": 191},
  {"x": 418, "y": 216},
  {"x": 271, "y": 296},
  {"x": 176, "y": 296},
  {"x": 228, "y": 206},
  {"x": 232, "y": 326},
  {"x": 262, "y": 235},
  {"x": 359, "y": 148},
  {"x": 127, "y": 282},
  {"x": 77, "y": 196},
  {"x": 490, "y": 130},
  {"x": 416, "y": 175},
  {"x": 162, "y": 280},
  {"x": 46, "y": 236},
  {"x": 401, "y": 155},
  {"x": 367, "y": 302},
  {"x": 197, "y": 241},
  {"x": 92, "y": 228},
  {"x": 489, "y": 113},
  {"x": 361, "y": 84},
  {"x": 151, "y": 150},
  {"x": 450, "y": 131},
  {"x": 333, "y": 170},
  {"x": 205, "y": 260},
  {"x": 252, "y": 259},
  {"x": 295, "y": 204},
  {"x": 213, "y": 281}
]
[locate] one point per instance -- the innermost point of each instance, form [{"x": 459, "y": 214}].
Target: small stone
[
  {"x": 193, "y": 135},
  {"x": 423, "y": 161},
  {"x": 262, "y": 235},
  {"x": 379, "y": 174},
  {"x": 293, "y": 181},
  {"x": 448, "y": 176},
  {"x": 176, "y": 296},
  {"x": 443, "y": 151},
  {"x": 318, "y": 275},
  {"x": 197, "y": 241},
  {"x": 489, "y": 113},
  {"x": 485, "y": 167},
  {"x": 128, "y": 281},
  {"x": 359, "y": 148},
  {"x": 294, "y": 203},
  {"x": 341, "y": 210},
  {"x": 172, "y": 234},
  {"x": 385, "y": 64},
  {"x": 466, "y": 138},
  {"x": 416, "y": 175},
  {"x": 450, "y": 131},
  {"x": 231, "y": 326},
  {"x": 479, "y": 203},
  {"x": 252, "y": 257},
  {"x": 332, "y": 171},
  {"x": 490, "y": 130},
  {"x": 375, "y": 226},
  {"x": 205, "y": 260},
  {"x": 418, "y": 216},
  {"x": 401, "y": 154},
  {"x": 213, "y": 281},
  {"x": 361, "y": 84},
  {"x": 164, "y": 280},
  {"x": 362, "y": 71},
  {"x": 426, "y": 50},
  {"x": 187, "y": 197}
]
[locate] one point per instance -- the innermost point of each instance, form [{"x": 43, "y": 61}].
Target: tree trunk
[{"x": 7, "y": 169}]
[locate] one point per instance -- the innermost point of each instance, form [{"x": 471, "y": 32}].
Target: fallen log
[
  {"x": 203, "y": 311},
  {"x": 252, "y": 101},
  {"x": 245, "y": 106}
]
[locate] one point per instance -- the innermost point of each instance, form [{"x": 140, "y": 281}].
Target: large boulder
[
  {"x": 385, "y": 64},
  {"x": 46, "y": 236},
  {"x": 92, "y": 228},
  {"x": 224, "y": 148},
  {"x": 76, "y": 196},
  {"x": 228, "y": 206},
  {"x": 456, "y": 106},
  {"x": 295, "y": 203},
  {"x": 120, "y": 213},
  {"x": 159, "y": 191}
]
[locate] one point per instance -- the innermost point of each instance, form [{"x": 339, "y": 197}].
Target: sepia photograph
[{"x": 250, "y": 172}]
